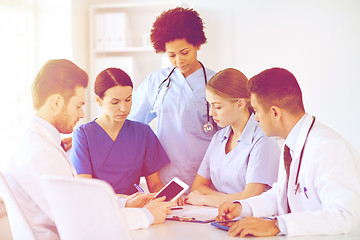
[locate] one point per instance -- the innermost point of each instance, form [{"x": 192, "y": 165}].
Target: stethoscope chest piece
[{"x": 208, "y": 127}]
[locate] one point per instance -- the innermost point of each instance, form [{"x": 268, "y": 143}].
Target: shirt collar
[
  {"x": 226, "y": 133},
  {"x": 248, "y": 132},
  {"x": 125, "y": 125},
  {"x": 193, "y": 76},
  {"x": 293, "y": 135},
  {"x": 49, "y": 127}
]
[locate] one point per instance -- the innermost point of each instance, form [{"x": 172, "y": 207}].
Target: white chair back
[
  {"x": 20, "y": 227},
  {"x": 84, "y": 208}
]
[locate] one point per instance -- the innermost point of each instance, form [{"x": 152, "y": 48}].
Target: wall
[
  {"x": 80, "y": 39},
  {"x": 317, "y": 40},
  {"x": 53, "y": 24}
]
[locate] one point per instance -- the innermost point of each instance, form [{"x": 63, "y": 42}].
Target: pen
[
  {"x": 305, "y": 189},
  {"x": 237, "y": 219},
  {"x": 227, "y": 221},
  {"x": 138, "y": 188},
  {"x": 176, "y": 208}
]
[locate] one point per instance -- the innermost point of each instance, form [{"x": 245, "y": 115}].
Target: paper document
[{"x": 191, "y": 213}]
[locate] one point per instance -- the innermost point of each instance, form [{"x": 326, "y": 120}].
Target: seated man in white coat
[
  {"x": 318, "y": 188},
  {"x": 58, "y": 93}
]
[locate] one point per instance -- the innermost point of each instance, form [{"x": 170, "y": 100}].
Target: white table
[{"x": 172, "y": 230}]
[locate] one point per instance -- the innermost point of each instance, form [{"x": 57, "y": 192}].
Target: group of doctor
[{"x": 213, "y": 133}]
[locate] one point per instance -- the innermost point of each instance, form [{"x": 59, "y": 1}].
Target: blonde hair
[{"x": 230, "y": 83}]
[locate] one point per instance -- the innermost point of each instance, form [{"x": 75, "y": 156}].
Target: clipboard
[
  {"x": 189, "y": 219},
  {"x": 195, "y": 214}
]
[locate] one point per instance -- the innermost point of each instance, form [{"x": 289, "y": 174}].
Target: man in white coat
[
  {"x": 318, "y": 188},
  {"x": 58, "y": 93}
]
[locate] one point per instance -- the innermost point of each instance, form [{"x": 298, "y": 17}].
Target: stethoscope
[
  {"x": 296, "y": 186},
  {"x": 207, "y": 127}
]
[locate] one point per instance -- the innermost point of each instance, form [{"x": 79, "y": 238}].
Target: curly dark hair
[{"x": 177, "y": 23}]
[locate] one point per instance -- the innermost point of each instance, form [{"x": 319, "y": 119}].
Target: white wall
[
  {"x": 53, "y": 25},
  {"x": 317, "y": 40},
  {"x": 80, "y": 38}
]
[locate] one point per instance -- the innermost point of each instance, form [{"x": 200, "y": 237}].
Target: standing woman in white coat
[
  {"x": 318, "y": 189},
  {"x": 176, "y": 95}
]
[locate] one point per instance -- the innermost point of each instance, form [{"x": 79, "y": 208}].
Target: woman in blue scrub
[
  {"x": 240, "y": 161},
  {"x": 176, "y": 95},
  {"x": 113, "y": 148}
]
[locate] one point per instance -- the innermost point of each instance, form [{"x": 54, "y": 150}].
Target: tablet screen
[{"x": 170, "y": 191}]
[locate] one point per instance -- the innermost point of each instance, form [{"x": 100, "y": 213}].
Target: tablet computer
[
  {"x": 224, "y": 225},
  {"x": 173, "y": 190},
  {"x": 221, "y": 226}
]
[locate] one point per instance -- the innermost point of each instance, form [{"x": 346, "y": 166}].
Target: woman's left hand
[
  {"x": 195, "y": 198},
  {"x": 180, "y": 201}
]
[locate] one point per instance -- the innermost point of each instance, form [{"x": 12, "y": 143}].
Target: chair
[
  {"x": 20, "y": 227},
  {"x": 84, "y": 208}
]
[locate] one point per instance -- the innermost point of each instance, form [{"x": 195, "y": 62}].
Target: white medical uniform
[
  {"x": 38, "y": 153},
  {"x": 180, "y": 120},
  {"x": 255, "y": 159},
  {"x": 328, "y": 198}
]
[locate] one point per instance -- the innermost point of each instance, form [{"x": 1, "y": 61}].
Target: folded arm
[{"x": 203, "y": 194}]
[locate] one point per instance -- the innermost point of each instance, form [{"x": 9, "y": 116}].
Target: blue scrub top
[
  {"x": 181, "y": 117},
  {"x": 255, "y": 159},
  {"x": 136, "y": 152}
]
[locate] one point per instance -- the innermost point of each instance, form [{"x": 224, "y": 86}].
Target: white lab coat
[
  {"x": 330, "y": 173},
  {"x": 38, "y": 153}
]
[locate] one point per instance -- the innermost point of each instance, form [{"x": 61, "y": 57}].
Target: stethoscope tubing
[
  {"x": 296, "y": 186},
  {"x": 205, "y": 79}
]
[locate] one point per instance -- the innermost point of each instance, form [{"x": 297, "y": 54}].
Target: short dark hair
[
  {"x": 177, "y": 23},
  {"x": 109, "y": 78},
  {"x": 57, "y": 76},
  {"x": 277, "y": 87}
]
